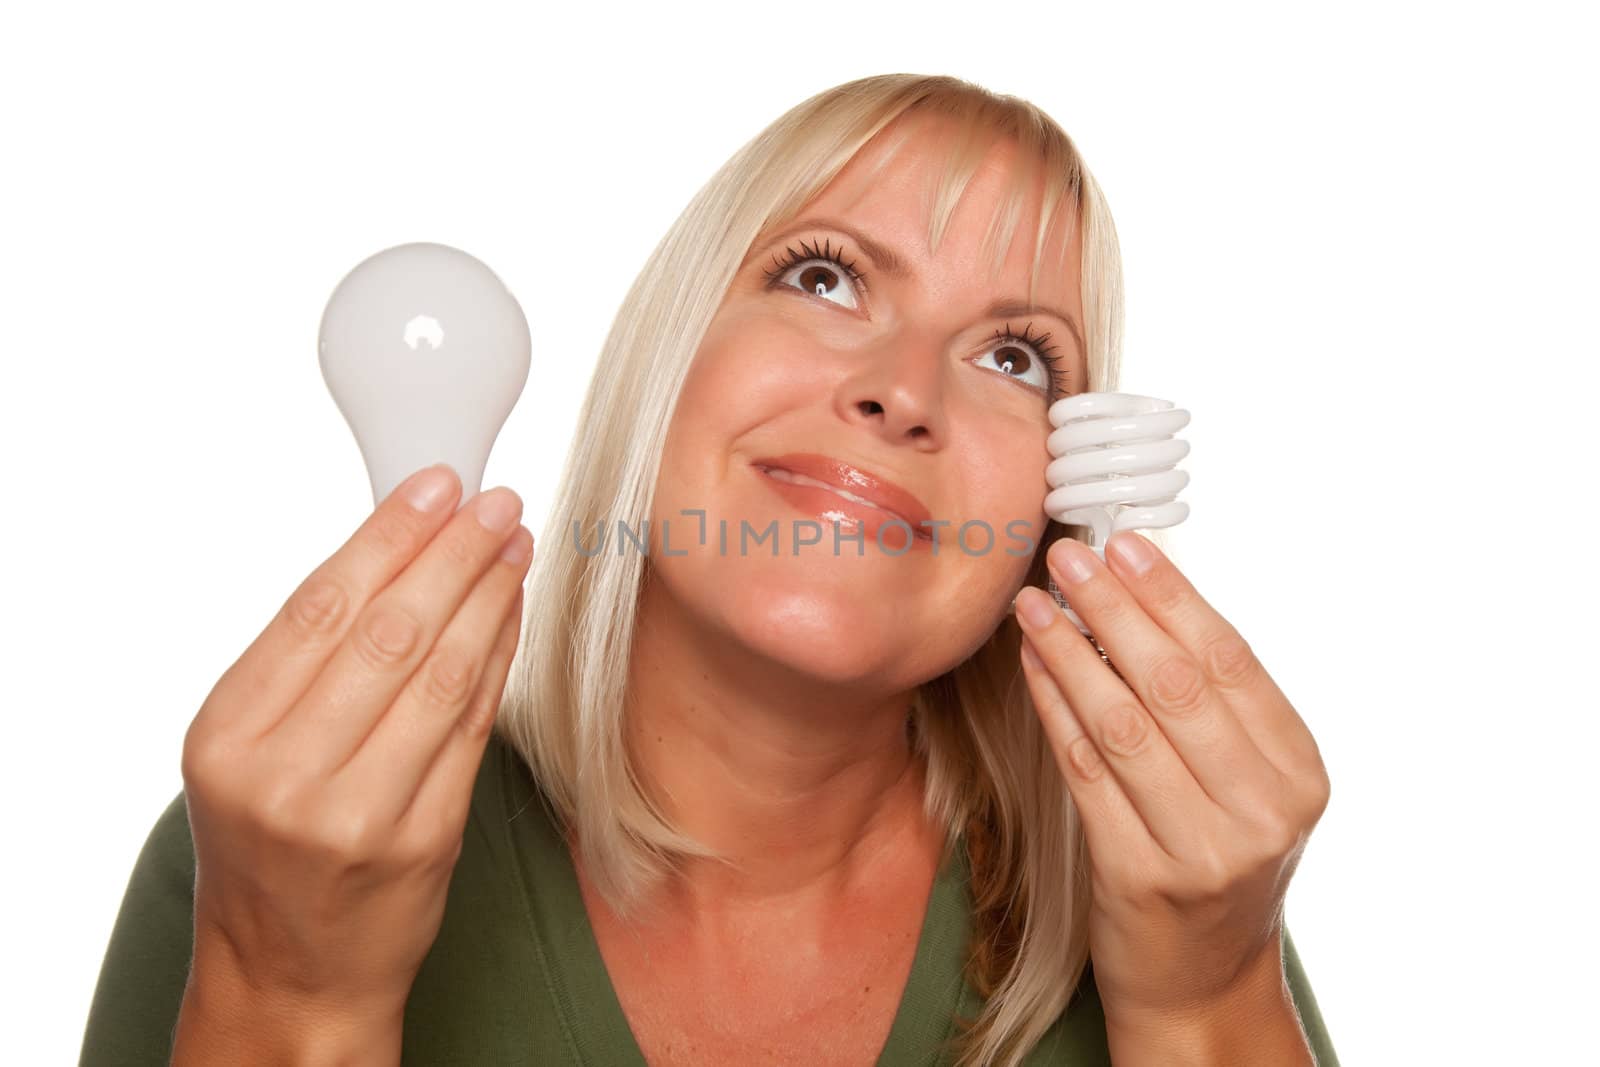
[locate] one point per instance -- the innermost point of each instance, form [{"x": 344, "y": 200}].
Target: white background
[{"x": 1360, "y": 244}]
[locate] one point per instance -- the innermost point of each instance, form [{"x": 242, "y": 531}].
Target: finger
[
  {"x": 392, "y": 636},
  {"x": 500, "y": 659},
  {"x": 295, "y": 645},
  {"x": 440, "y": 805},
  {"x": 1172, "y": 690},
  {"x": 1168, "y": 597},
  {"x": 1115, "y": 831},
  {"x": 408, "y": 737},
  {"x": 1143, "y": 762}
]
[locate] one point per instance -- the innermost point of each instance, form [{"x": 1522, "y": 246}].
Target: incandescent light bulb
[{"x": 425, "y": 351}]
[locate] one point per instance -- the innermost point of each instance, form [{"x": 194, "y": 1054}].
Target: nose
[{"x": 897, "y": 391}]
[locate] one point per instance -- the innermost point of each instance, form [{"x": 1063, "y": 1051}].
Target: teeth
[{"x": 799, "y": 479}]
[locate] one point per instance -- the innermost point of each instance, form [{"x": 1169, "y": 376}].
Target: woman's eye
[
  {"x": 1013, "y": 358},
  {"x": 820, "y": 271},
  {"x": 820, "y": 279}
]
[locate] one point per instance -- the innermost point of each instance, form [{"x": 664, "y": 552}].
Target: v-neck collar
[{"x": 596, "y": 1030}]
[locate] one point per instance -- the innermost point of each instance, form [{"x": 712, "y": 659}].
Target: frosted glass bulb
[{"x": 425, "y": 351}]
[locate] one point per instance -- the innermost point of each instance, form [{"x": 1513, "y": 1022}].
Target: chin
[
  {"x": 828, "y": 634},
  {"x": 848, "y": 622}
]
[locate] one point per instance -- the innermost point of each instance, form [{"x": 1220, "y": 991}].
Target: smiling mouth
[{"x": 781, "y": 475}]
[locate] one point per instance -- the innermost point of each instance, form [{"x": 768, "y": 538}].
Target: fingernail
[
  {"x": 1134, "y": 551},
  {"x": 498, "y": 511},
  {"x": 1035, "y": 607},
  {"x": 1068, "y": 559},
  {"x": 427, "y": 489},
  {"x": 518, "y": 549}
]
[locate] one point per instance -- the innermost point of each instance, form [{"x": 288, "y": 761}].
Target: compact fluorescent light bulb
[
  {"x": 1113, "y": 468},
  {"x": 425, "y": 351}
]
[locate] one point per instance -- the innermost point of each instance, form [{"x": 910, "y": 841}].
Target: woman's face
[{"x": 902, "y": 375}]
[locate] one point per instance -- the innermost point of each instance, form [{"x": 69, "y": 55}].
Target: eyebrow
[{"x": 885, "y": 259}]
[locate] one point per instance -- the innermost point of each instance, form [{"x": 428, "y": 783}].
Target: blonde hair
[{"x": 991, "y": 773}]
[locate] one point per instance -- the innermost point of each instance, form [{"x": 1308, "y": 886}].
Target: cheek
[
  {"x": 1003, "y": 470},
  {"x": 743, "y": 376},
  {"x": 746, "y": 371}
]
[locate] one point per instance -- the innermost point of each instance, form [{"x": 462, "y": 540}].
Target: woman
[{"x": 840, "y": 806}]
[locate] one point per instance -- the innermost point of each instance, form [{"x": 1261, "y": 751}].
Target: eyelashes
[
  {"x": 1036, "y": 346},
  {"x": 1033, "y": 347},
  {"x": 792, "y": 259}
]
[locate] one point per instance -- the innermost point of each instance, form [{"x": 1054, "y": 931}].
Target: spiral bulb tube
[{"x": 1112, "y": 468}]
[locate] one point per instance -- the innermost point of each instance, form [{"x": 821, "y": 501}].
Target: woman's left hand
[{"x": 1196, "y": 781}]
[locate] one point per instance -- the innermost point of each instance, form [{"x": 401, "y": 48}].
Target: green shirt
[{"x": 515, "y": 974}]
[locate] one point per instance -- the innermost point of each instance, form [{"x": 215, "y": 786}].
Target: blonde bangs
[{"x": 1042, "y": 167}]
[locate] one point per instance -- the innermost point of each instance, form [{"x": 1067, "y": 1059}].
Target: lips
[{"x": 858, "y": 493}]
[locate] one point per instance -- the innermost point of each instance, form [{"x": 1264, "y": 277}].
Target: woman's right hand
[{"x": 328, "y": 774}]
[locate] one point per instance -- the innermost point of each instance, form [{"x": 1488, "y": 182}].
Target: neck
[{"x": 811, "y": 790}]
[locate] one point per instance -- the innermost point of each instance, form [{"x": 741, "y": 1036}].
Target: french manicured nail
[
  {"x": 427, "y": 489},
  {"x": 1070, "y": 560},
  {"x": 1036, "y": 607},
  {"x": 498, "y": 509},
  {"x": 1133, "y": 550}
]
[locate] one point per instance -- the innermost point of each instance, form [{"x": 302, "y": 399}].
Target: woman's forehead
[{"x": 888, "y": 191}]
